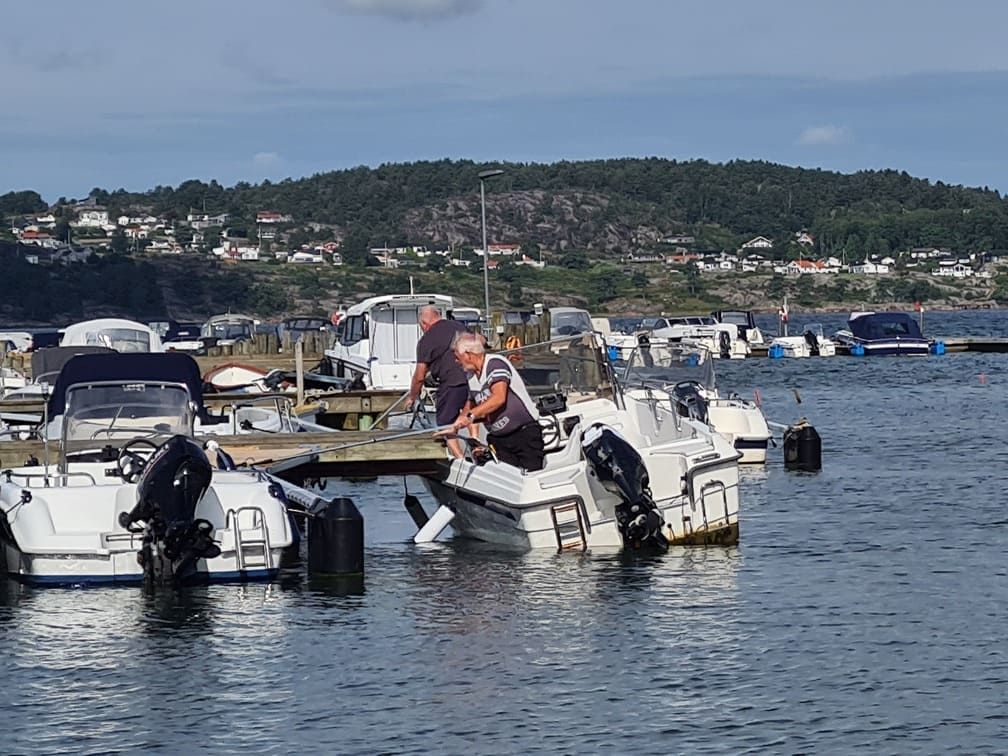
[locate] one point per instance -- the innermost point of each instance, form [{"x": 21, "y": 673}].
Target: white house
[
  {"x": 804, "y": 238},
  {"x": 953, "y": 269},
  {"x": 205, "y": 220},
  {"x": 760, "y": 242},
  {"x": 869, "y": 268},
  {"x": 93, "y": 218},
  {"x": 306, "y": 257}
]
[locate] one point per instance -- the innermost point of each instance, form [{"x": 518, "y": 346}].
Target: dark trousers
[
  {"x": 522, "y": 448},
  {"x": 449, "y": 401}
]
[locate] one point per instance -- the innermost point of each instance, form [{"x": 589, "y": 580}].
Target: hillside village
[{"x": 92, "y": 230}]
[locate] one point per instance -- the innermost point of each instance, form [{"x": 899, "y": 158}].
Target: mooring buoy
[
  {"x": 336, "y": 538},
  {"x": 802, "y": 447}
]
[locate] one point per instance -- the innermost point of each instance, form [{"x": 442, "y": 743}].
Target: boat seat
[{"x": 566, "y": 455}]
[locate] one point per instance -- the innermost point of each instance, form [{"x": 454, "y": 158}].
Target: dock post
[{"x": 299, "y": 368}]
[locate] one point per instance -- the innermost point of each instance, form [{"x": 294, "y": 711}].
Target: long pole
[{"x": 486, "y": 274}]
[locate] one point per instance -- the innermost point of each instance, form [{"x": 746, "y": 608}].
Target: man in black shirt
[{"x": 436, "y": 359}]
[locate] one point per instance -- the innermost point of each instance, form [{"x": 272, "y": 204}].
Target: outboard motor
[
  {"x": 619, "y": 468},
  {"x": 690, "y": 400},
  {"x": 644, "y": 350},
  {"x": 813, "y": 341},
  {"x": 724, "y": 344},
  {"x": 174, "y": 480}
]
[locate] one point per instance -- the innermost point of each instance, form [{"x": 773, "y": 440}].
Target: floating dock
[{"x": 954, "y": 344}]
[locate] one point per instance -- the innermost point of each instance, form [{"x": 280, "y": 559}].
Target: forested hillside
[{"x": 583, "y": 217}]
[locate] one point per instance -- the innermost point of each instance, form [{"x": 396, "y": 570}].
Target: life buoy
[{"x": 512, "y": 343}]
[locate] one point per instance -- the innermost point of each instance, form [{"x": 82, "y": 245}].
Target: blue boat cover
[
  {"x": 877, "y": 326},
  {"x": 169, "y": 367}
]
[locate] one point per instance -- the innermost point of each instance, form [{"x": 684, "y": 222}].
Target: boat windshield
[
  {"x": 574, "y": 366},
  {"x": 649, "y": 324},
  {"x": 662, "y": 363},
  {"x": 228, "y": 330},
  {"x": 736, "y": 317},
  {"x": 120, "y": 339},
  {"x": 126, "y": 410},
  {"x": 570, "y": 323}
]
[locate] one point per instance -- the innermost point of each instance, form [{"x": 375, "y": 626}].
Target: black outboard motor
[
  {"x": 724, "y": 344},
  {"x": 619, "y": 468},
  {"x": 690, "y": 401},
  {"x": 172, "y": 484},
  {"x": 813, "y": 341}
]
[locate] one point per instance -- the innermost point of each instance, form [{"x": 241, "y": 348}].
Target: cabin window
[{"x": 354, "y": 329}]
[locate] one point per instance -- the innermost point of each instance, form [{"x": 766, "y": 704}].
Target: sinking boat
[{"x": 621, "y": 470}]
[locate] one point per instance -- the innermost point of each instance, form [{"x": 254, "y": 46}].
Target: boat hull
[{"x": 68, "y": 533}]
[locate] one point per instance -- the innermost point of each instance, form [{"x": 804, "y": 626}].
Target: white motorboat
[
  {"x": 720, "y": 339},
  {"x": 812, "y": 343},
  {"x": 225, "y": 330},
  {"x": 744, "y": 321},
  {"x": 114, "y": 333},
  {"x": 683, "y": 374},
  {"x": 376, "y": 339},
  {"x": 131, "y": 495},
  {"x": 620, "y": 471},
  {"x": 10, "y": 380}
]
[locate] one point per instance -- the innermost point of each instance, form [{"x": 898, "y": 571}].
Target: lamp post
[{"x": 483, "y": 176}]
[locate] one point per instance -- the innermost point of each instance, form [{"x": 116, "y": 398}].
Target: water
[{"x": 864, "y": 609}]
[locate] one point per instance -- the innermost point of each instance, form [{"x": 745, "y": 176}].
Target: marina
[{"x": 844, "y": 583}]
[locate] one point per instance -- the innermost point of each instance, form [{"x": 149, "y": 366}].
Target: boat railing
[{"x": 49, "y": 479}]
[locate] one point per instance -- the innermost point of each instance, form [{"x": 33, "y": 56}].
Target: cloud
[
  {"x": 823, "y": 135},
  {"x": 267, "y": 160},
  {"x": 409, "y": 10}
]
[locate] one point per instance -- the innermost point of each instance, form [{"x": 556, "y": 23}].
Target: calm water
[{"x": 864, "y": 609}]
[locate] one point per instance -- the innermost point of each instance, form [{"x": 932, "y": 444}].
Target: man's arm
[
  {"x": 416, "y": 385},
  {"x": 478, "y": 414}
]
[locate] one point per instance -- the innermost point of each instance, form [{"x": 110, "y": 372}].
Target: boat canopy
[
  {"x": 46, "y": 364},
  {"x": 872, "y": 326},
  {"x": 115, "y": 333},
  {"x": 166, "y": 367}
]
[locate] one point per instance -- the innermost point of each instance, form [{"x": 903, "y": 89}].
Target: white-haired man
[
  {"x": 436, "y": 359},
  {"x": 501, "y": 402}
]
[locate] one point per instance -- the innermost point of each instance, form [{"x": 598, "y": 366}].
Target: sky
[{"x": 119, "y": 93}]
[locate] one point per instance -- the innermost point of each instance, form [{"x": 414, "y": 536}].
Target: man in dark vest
[{"x": 436, "y": 359}]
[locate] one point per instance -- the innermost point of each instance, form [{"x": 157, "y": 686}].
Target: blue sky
[{"x": 117, "y": 93}]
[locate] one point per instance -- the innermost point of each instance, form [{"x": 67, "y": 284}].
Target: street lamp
[{"x": 483, "y": 176}]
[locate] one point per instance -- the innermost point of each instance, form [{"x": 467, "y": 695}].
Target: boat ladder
[
  {"x": 252, "y": 548},
  {"x": 568, "y": 525}
]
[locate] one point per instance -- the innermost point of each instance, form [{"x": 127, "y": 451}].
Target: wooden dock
[{"x": 350, "y": 454}]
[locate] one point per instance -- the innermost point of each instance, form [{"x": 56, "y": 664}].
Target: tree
[
  {"x": 693, "y": 281},
  {"x": 575, "y": 259},
  {"x": 119, "y": 244}
]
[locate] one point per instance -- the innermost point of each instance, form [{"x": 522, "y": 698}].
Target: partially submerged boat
[
  {"x": 621, "y": 470},
  {"x": 130, "y": 495},
  {"x": 880, "y": 333}
]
